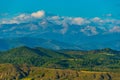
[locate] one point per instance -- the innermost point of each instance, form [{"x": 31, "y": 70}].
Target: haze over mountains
[
  {"x": 82, "y": 33},
  {"x": 10, "y": 43}
]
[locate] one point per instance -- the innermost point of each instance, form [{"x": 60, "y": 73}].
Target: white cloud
[
  {"x": 115, "y": 29},
  {"x": 22, "y": 17},
  {"x": 65, "y": 28},
  {"x": 89, "y": 26},
  {"x": 55, "y": 17},
  {"x": 38, "y": 14},
  {"x": 97, "y": 19},
  {"x": 12, "y": 21},
  {"x": 89, "y": 30},
  {"x": 78, "y": 21}
]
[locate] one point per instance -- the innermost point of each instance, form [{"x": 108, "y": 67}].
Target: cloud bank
[{"x": 61, "y": 24}]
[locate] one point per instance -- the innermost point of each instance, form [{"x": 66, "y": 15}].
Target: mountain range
[
  {"x": 62, "y": 32},
  {"x": 9, "y": 43},
  {"x": 91, "y": 44}
]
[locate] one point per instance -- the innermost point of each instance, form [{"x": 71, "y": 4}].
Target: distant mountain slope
[
  {"x": 81, "y": 36},
  {"x": 107, "y": 59},
  {"x": 24, "y": 72},
  {"x": 9, "y": 43}
]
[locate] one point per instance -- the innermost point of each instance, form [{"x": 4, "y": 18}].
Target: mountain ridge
[{"x": 9, "y": 43}]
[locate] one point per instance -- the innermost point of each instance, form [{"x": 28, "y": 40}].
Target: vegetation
[
  {"x": 38, "y": 63},
  {"x": 107, "y": 59}
]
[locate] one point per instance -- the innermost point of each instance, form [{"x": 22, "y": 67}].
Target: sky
[
  {"x": 74, "y": 8},
  {"x": 67, "y": 21},
  {"x": 95, "y": 16}
]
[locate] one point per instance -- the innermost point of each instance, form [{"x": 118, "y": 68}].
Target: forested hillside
[{"x": 94, "y": 60}]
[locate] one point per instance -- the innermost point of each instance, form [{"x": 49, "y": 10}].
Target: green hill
[
  {"x": 94, "y": 60},
  {"x": 24, "y": 63},
  {"x": 31, "y": 56}
]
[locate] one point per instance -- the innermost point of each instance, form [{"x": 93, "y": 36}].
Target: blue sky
[
  {"x": 83, "y": 8},
  {"x": 71, "y": 20}
]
